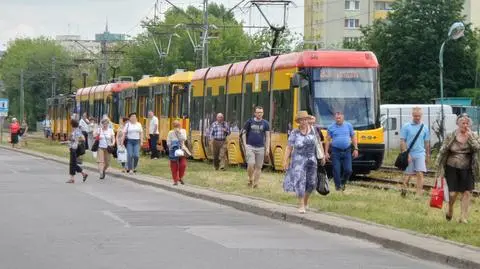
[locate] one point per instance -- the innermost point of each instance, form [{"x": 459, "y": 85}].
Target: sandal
[
  {"x": 71, "y": 181},
  {"x": 448, "y": 217},
  {"x": 85, "y": 177}
]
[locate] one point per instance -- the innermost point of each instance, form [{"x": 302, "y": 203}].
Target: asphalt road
[{"x": 46, "y": 223}]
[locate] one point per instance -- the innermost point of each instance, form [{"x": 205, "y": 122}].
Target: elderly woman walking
[
  {"x": 458, "y": 162},
  {"x": 177, "y": 152},
  {"x": 106, "y": 141},
  {"x": 14, "y": 132},
  {"x": 301, "y": 176}
]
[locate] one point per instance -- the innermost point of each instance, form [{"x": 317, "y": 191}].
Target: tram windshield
[{"x": 347, "y": 90}]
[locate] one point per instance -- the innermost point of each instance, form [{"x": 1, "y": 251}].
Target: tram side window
[
  {"x": 196, "y": 115},
  {"x": 234, "y": 110},
  {"x": 165, "y": 105},
  {"x": 304, "y": 97},
  {"x": 282, "y": 111},
  {"x": 108, "y": 109},
  {"x": 247, "y": 108},
  {"x": 158, "y": 106},
  {"x": 184, "y": 103},
  {"x": 265, "y": 99},
  {"x": 220, "y": 100},
  {"x": 209, "y": 106}
]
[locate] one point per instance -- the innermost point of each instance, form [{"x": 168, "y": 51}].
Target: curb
[{"x": 425, "y": 247}]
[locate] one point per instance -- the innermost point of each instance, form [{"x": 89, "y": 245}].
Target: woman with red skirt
[{"x": 178, "y": 152}]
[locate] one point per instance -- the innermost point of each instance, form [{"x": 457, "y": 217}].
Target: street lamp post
[{"x": 456, "y": 31}]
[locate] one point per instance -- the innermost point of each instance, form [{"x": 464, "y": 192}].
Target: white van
[{"x": 394, "y": 116}]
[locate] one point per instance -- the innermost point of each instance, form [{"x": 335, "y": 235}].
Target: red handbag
[{"x": 437, "y": 195}]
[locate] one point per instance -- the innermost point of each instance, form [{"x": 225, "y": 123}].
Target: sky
[{"x": 33, "y": 18}]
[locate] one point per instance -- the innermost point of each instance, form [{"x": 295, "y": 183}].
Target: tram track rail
[
  {"x": 392, "y": 184},
  {"x": 393, "y": 169}
]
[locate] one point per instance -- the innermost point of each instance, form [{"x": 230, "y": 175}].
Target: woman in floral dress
[{"x": 301, "y": 176}]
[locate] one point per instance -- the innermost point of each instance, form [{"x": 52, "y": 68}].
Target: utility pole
[
  {"x": 205, "y": 35},
  {"x": 103, "y": 71},
  {"x": 22, "y": 96},
  {"x": 155, "y": 13},
  {"x": 53, "y": 75}
]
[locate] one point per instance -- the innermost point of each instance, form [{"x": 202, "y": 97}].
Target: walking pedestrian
[
  {"x": 14, "y": 132},
  {"x": 218, "y": 136},
  {"x": 133, "y": 135},
  {"x": 106, "y": 142},
  {"x": 47, "y": 127},
  {"x": 120, "y": 146},
  {"x": 341, "y": 136},
  {"x": 301, "y": 176},
  {"x": 22, "y": 135},
  {"x": 75, "y": 140},
  {"x": 177, "y": 152},
  {"x": 153, "y": 134},
  {"x": 133, "y": 138},
  {"x": 419, "y": 154},
  {"x": 85, "y": 128},
  {"x": 458, "y": 162},
  {"x": 256, "y": 141}
]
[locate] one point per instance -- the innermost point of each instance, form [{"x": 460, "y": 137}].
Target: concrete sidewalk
[{"x": 418, "y": 245}]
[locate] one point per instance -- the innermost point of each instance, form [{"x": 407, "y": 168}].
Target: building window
[
  {"x": 382, "y": 5},
  {"x": 351, "y": 39},
  {"x": 352, "y": 23},
  {"x": 352, "y": 5}
]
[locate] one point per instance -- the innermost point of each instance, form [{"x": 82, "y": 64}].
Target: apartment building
[{"x": 328, "y": 23}]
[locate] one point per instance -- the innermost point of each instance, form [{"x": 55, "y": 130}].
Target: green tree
[
  {"x": 288, "y": 41},
  {"x": 34, "y": 57},
  {"x": 407, "y": 44}
]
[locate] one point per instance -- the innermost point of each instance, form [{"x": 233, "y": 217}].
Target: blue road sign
[{"x": 3, "y": 107}]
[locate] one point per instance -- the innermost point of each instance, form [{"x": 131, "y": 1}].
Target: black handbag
[
  {"x": 80, "y": 149},
  {"x": 322, "y": 181},
  {"x": 402, "y": 159},
  {"x": 95, "y": 146}
]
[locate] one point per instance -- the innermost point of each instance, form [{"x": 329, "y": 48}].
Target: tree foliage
[
  {"x": 407, "y": 45},
  {"x": 34, "y": 57}
]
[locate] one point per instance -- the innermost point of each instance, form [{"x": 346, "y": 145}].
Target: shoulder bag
[
  {"x": 402, "y": 159},
  {"x": 318, "y": 145},
  {"x": 96, "y": 143}
]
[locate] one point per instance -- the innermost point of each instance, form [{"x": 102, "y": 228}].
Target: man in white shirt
[{"x": 154, "y": 134}]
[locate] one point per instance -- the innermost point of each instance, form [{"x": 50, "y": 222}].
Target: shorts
[
  {"x": 416, "y": 165},
  {"x": 255, "y": 156},
  {"x": 459, "y": 180}
]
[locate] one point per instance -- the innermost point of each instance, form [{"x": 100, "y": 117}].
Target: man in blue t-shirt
[
  {"x": 342, "y": 137},
  {"x": 256, "y": 141},
  {"x": 420, "y": 152}
]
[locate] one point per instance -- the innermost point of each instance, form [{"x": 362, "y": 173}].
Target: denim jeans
[
  {"x": 342, "y": 165},
  {"x": 133, "y": 153}
]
